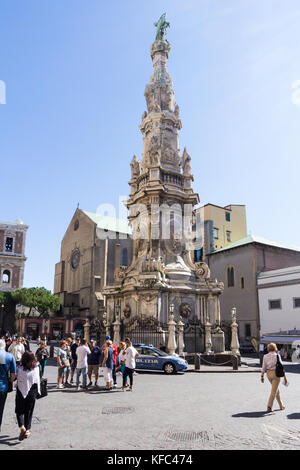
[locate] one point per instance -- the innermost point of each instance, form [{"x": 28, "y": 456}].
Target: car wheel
[{"x": 169, "y": 368}]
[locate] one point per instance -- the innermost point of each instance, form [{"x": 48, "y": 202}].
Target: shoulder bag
[
  {"x": 44, "y": 391},
  {"x": 279, "y": 368}
]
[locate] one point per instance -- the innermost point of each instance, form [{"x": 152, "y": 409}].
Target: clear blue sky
[{"x": 75, "y": 74}]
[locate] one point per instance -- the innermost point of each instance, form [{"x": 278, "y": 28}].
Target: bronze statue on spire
[{"x": 161, "y": 26}]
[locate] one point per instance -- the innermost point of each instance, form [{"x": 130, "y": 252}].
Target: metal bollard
[
  {"x": 51, "y": 351},
  {"x": 235, "y": 362},
  {"x": 197, "y": 361}
]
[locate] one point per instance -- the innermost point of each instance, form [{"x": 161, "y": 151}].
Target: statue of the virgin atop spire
[{"x": 161, "y": 26}]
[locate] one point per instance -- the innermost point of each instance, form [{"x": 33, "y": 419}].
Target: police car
[{"x": 151, "y": 358}]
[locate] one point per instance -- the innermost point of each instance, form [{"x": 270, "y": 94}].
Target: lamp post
[
  {"x": 116, "y": 325},
  {"x": 172, "y": 332},
  {"x": 118, "y": 309},
  {"x": 106, "y": 324},
  {"x": 2, "y": 317}
]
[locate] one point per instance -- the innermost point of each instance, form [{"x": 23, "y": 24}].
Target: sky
[{"x": 72, "y": 81}]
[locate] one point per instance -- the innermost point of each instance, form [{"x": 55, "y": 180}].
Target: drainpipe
[
  {"x": 105, "y": 267},
  {"x": 256, "y": 286}
]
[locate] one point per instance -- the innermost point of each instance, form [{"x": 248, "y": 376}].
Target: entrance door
[
  {"x": 57, "y": 331},
  {"x": 33, "y": 330},
  {"x": 79, "y": 330}
]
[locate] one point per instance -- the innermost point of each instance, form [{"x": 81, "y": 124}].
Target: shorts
[
  {"x": 93, "y": 368},
  {"x": 107, "y": 374},
  {"x": 73, "y": 364},
  {"x": 61, "y": 371}
]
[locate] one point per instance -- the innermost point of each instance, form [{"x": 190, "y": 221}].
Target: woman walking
[
  {"x": 130, "y": 356},
  {"x": 42, "y": 356},
  {"x": 108, "y": 365},
  {"x": 269, "y": 367},
  {"x": 121, "y": 360},
  {"x": 28, "y": 387}
]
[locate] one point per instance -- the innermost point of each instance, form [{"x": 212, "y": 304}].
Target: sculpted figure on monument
[
  {"x": 167, "y": 99},
  {"x": 161, "y": 26},
  {"x": 186, "y": 163},
  {"x": 153, "y": 150},
  {"x": 127, "y": 311},
  {"x": 185, "y": 310},
  {"x": 151, "y": 100},
  {"x": 120, "y": 273},
  {"x": 135, "y": 167},
  {"x": 202, "y": 270}
]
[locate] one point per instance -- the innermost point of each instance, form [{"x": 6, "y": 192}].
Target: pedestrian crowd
[
  {"x": 87, "y": 359},
  {"x": 19, "y": 364}
]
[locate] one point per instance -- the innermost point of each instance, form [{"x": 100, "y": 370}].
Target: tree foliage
[{"x": 38, "y": 298}]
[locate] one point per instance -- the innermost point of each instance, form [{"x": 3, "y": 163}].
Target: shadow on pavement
[
  {"x": 251, "y": 414},
  {"x": 294, "y": 416},
  {"x": 292, "y": 368},
  {"x": 10, "y": 441}
]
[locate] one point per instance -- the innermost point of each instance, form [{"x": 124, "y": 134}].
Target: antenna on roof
[{"x": 77, "y": 205}]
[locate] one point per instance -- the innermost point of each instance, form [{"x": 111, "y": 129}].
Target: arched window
[
  {"x": 6, "y": 277},
  {"x": 230, "y": 277},
  {"x": 124, "y": 257}
]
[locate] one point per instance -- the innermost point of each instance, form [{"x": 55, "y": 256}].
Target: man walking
[
  {"x": 94, "y": 362},
  {"x": 82, "y": 353},
  {"x": 17, "y": 349},
  {"x": 74, "y": 347},
  {"x": 8, "y": 372}
]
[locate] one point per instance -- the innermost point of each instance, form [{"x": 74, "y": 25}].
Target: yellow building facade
[{"x": 217, "y": 227}]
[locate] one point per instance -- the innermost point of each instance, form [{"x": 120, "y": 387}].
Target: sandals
[
  {"x": 22, "y": 434},
  {"x": 27, "y": 434}
]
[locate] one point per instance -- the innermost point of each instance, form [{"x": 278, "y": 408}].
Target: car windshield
[{"x": 160, "y": 352}]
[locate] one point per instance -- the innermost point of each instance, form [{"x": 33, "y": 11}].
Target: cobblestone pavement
[{"x": 211, "y": 411}]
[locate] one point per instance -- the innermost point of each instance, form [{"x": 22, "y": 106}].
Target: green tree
[{"x": 36, "y": 297}]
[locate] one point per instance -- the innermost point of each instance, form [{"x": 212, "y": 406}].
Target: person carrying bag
[{"x": 273, "y": 367}]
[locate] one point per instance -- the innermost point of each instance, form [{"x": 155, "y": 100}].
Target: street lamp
[
  {"x": 172, "y": 306},
  {"x": 2, "y": 317},
  {"x": 118, "y": 309}
]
